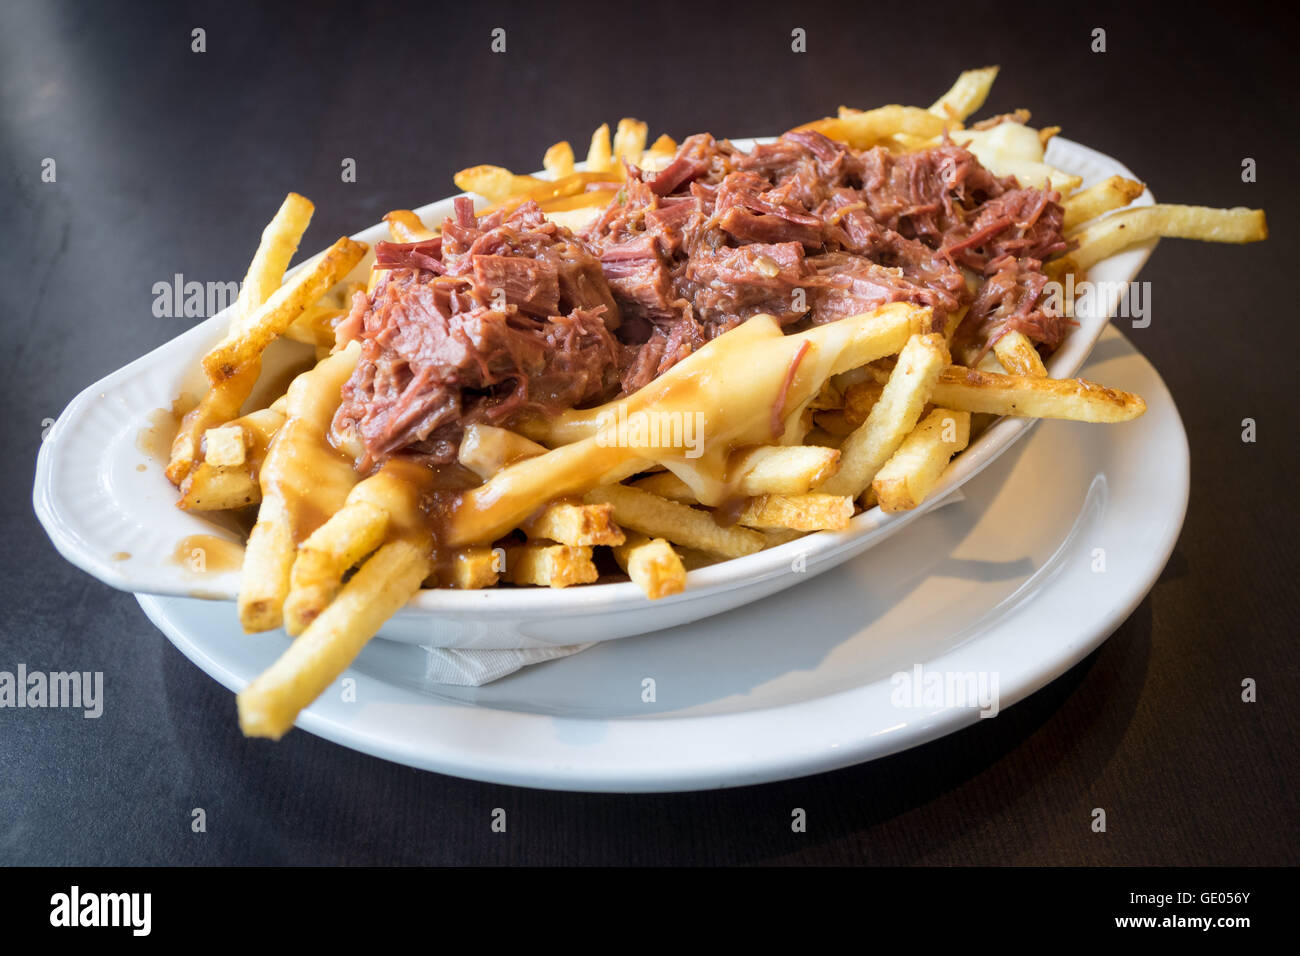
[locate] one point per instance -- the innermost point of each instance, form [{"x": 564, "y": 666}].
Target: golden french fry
[
  {"x": 1018, "y": 355},
  {"x": 391, "y": 577},
  {"x": 869, "y": 128},
  {"x": 558, "y": 160},
  {"x": 576, "y": 525},
  {"x": 652, "y": 564},
  {"x": 810, "y": 512},
  {"x": 268, "y": 559},
  {"x": 1077, "y": 400},
  {"x": 549, "y": 565},
  {"x": 265, "y": 273},
  {"x": 629, "y": 139},
  {"x": 660, "y": 153},
  {"x": 599, "y": 153},
  {"x": 470, "y": 569},
  {"x": 280, "y": 310},
  {"x": 966, "y": 96},
  {"x": 349, "y": 535},
  {"x": 1105, "y": 237},
  {"x": 494, "y": 183},
  {"x": 302, "y": 481},
  {"x": 680, "y": 524},
  {"x": 667, "y": 485},
  {"x": 783, "y": 469},
  {"x": 891, "y": 418},
  {"x": 486, "y": 449},
  {"x": 1100, "y": 199},
  {"x": 210, "y": 487},
  {"x": 279, "y": 242},
  {"x": 913, "y": 471},
  {"x": 405, "y": 226}
]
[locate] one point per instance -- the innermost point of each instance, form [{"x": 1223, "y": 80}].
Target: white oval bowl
[{"x": 97, "y": 504}]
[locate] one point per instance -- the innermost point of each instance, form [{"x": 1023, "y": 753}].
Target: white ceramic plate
[
  {"x": 109, "y": 509},
  {"x": 1006, "y": 582}
]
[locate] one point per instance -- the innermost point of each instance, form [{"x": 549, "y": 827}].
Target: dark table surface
[{"x": 170, "y": 161}]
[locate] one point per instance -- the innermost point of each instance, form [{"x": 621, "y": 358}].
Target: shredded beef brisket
[{"x": 511, "y": 312}]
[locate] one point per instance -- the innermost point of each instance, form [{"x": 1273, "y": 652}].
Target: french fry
[
  {"x": 810, "y": 512},
  {"x": 667, "y": 485},
  {"x": 629, "y": 140},
  {"x": 279, "y": 242},
  {"x": 350, "y": 534},
  {"x": 486, "y": 449},
  {"x": 405, "y": 226},
  {"x": 470, "y": 569},
  {"x": 268, "y": 560},
  {"x": 269, "y": 705},
  {"x": 660, "y": 153},
  {"x": 868, "y": 128},
  {"x": 782, "y": 469},
  {"x": 558, "y": 160},
  {"x": 576, "y": 525},
  {"x": 860, "y": 398},
  {"x": 549, "y": 565},
  {"x": 892, "y": 417},
  {"x": 1108, "y": 195},
  {"x": 279, "y": 311},
  {"x": 1077, "y": 400},
  {"x": 966, "y": 96},
  {"x": 652, "y": 564},
  {"x": 1018, "y": 355},
  {"x": 295, "y": 472},
  {"x": 1128, "y": 227},
  {"x": 599, "y": 153},
  {"x": 210, "y": 487},
  {"x": 680, "y": 524},
  {"x": 494, "y": 183},
  {"x": 911, "y": 474},
  {"x": 265, "y": 273}
]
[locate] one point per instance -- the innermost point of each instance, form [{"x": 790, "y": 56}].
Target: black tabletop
[{"x": 169, "y": 161}]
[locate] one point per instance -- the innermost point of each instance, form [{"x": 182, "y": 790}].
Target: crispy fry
[
  {"x": 810, "y": 512},
  {"x": 573, "y": 524},
  {"x": 210, "y": 487},
  {"x": 406, "y": 226},
  {"x": 295, "y": 471},
  {"x": 558, "y": 160},
  {"x": 1074, "y": 399},
  {"x": 549, "y": 565},
  {"x": 470, "y": 569},
  {"x": 667, "y": 485},
  {"x": 629, "y": 140},
  {"x": 1100, "y": 199},
  {"x": 660, "y": 153},
  {"x": 680, "y": 524},
  {"x": 911, "y": 474},
  {"x": 486, "y": 449},
  {"x": 494, "y": 183},
  {"x": 782, "y": 469},
  {"x": 966, "y": 96},
  {"x": 1128, "y": 227},
  {"x": 279, "y": 242},
  {"x": 892, "y": 417},
  {"x": 353, "y": 532},
  {"x": 599, "y": 153},
  {"x": 391, "y": 577},
  {"x": 290, "y": 301},
  {"x": 869, "y": 128},
  {"x": 652, "y": 564},
  {"x": 1018, "y": 355}
]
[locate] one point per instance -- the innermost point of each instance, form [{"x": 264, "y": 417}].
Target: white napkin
[{"x": 448, "y": 665}]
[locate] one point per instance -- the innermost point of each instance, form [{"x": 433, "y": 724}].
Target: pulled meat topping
[{"x": 511, "y": 312}]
